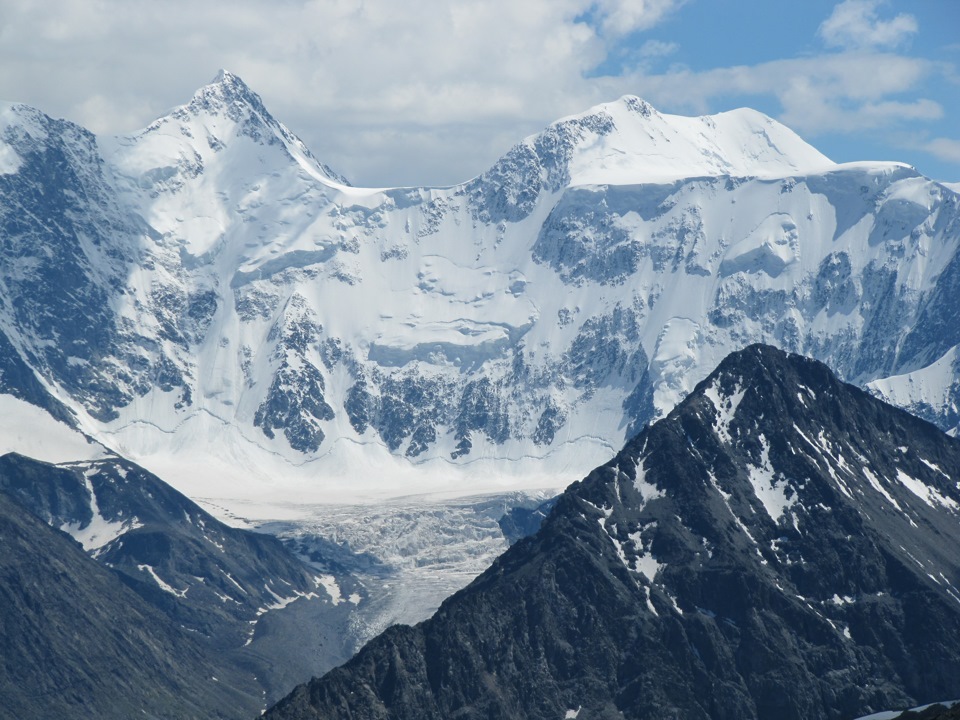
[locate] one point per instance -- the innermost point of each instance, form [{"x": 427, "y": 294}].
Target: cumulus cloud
[
  {"x": 827, "y": 93},
  {"x": 432, "y": 91},
  {"x": 341, "y": 73},
  {"x": 622, "y": 17},
  {"x": 856, "y": 24}
]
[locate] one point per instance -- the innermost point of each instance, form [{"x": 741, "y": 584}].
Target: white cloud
[
  {"x": 622, "y": 17},
  {"x": 339, "y": 72},
  {"x": 657, "y": 48},
  {"x": 855, "y": 24},
  {"x": 829, "y": 93},
  {"x": 101, "y": 113},
  {"x": 944, "y": 148}
]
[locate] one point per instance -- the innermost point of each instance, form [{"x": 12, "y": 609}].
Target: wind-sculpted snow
[{"x": 237, "y": 294}]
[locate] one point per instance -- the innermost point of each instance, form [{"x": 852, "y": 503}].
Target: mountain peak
[
  {"x": 808, "y": 440},
  {"x": 628, "y": 141},
  {"x": 762, "y": 389},
  {"x": 763, "y": 364},
  {"x": 227, "y": 108},
  {"x": 633, "y": 104},
  {"x": 229, "y": 92},
  {"x": 232, "y": 86},
  {"x": 224, "y": 76}
]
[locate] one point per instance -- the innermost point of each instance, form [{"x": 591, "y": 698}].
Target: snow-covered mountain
[
  {"x": 213, "y": 302},
  {"x": 781, "y": 545}
]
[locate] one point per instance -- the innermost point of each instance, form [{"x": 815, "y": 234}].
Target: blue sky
[
  {"x": 703, "y": 35},
  {"x": 431, "y": 92}
]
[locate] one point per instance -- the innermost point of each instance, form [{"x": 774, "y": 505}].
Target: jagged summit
[
  {"x": 228, "y": 93},
  {"x": 226, "y": 77},
  {"x": 768, "y": 372},
  {"x": 219, "y": 113}
]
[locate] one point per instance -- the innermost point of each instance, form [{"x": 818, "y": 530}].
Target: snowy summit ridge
[
  {"x": 258, "y": 324},
  {"x": 227, "y": 108},
  {"x": 628, "y": 141}
]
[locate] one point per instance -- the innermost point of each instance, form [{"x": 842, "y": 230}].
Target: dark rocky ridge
[
  {"x": 75, "y": 642},
  {"x": 221, "y": 575},
  {"x": 222, "y": 585},
  {"x": 757, "y": 555}
]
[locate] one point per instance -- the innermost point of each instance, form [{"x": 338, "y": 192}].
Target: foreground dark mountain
[
  {"x": 76, "y": 643},
  {"x": 189, "y": 573},
  {"x": 781, "y": 546},
  {"x": 212, "y": 578}
]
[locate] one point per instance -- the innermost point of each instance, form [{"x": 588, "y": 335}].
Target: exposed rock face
[
  {"x": 781, "y": 545},
  {"x": 211, "y": 578},
  {"x": 207, "y": 279}
]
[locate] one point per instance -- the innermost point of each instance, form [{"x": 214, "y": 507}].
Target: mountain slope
[
  {"x": 781, "y": 545},
  {"x": 76, "y": 642},
  {"x": 211, "y": 578},
  {"x": 225, "y": 585}
]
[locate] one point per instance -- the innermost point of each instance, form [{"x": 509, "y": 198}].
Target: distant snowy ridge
[
  {"x": 628, "y": 141},
  {"x": 259, "y": 329}
]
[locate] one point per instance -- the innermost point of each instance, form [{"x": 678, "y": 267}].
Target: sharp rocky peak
[
  {"x": 771, "y": 375},
  {"x": 227, "y": 107},
  {"x": 226, "y": 99},
  {"x": 230, "y": 94},
  {"x": 783, "y": 436},
  {"x": 779, "y": 389}
]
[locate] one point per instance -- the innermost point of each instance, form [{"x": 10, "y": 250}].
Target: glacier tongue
[{"x": 410, "y": 553}]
